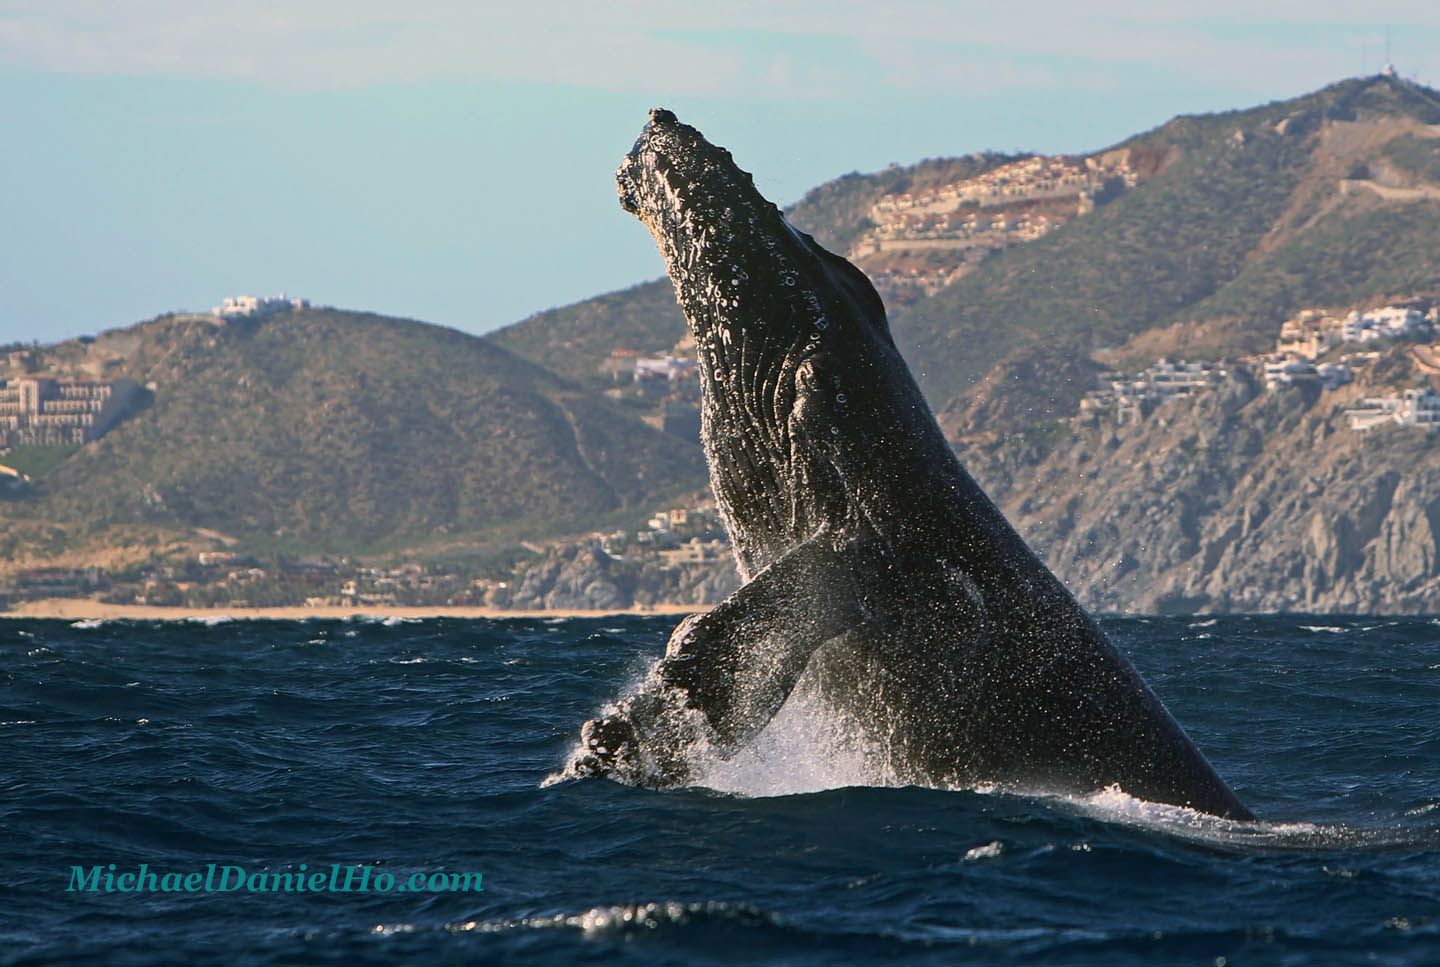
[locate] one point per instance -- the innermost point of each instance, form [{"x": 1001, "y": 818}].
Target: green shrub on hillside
[
  {"x": 1418, "y": 156},
  {"x": 37, "y": 461}
]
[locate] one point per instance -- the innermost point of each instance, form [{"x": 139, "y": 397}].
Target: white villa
[
  {"x": 1414, "y": 407},
  {"x": 254, "y": 307}
]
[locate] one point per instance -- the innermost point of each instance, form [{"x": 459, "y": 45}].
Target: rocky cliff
[
  {"x": 1237, "y": 500},
  {"x": 582, "y": 576}
]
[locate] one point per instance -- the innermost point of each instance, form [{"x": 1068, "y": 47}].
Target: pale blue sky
[{"x": 452, "y": 161}]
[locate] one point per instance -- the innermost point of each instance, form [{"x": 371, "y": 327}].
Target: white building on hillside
[
  {"x": 1132, "y": 395},
  {"x": 670, "y": 368},
  {"x": 1289, "y": 369},
  {"x": 251, "y": 307},
  {"x": 1387, "y": 322},
  {"x": 1414, "y": 407}
]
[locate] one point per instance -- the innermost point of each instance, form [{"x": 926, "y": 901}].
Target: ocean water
[{"x": 417, "y": 747}]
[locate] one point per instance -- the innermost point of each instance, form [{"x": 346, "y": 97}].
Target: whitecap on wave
[
  {"x": 989, "y": 851},
  {"x": 1114, "y": 805},
  {"x": 621, "y": 918}
]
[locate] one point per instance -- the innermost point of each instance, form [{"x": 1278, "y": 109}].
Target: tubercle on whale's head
[
  {"x": 714, "y": 229},
  {"x": 737, "y": 265},
  {"x": 673, "y": 171}
]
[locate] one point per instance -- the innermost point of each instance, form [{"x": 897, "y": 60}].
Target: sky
[{"x": 453, "y": 160}]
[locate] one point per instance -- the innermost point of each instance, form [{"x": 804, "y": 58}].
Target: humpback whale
[{"x": 872, "y": 562}]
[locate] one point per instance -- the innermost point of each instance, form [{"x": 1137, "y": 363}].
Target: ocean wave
[
  {"x": 384, "y": 621},
  {"x": 1114, "y": 805},
  {"x": 624, "y": 918},
  {"x": 989, "y": 851}
]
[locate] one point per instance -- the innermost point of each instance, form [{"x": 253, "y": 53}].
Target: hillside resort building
[{"x": 40, "y": 411}]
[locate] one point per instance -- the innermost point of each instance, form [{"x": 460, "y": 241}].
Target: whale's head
[
  {"x": 669, "y": 161},
  {"x": 736, "y": 263},
  {"x": 796, "y": 361},
  {"x": 686, "y": 190}
]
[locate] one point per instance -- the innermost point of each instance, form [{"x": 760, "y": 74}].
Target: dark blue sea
[{"x": 407, "y": 748}]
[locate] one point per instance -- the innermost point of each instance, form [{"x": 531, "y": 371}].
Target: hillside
[
  {"x": 574, "y": 339},
  {"x": 323, "y": 430},
  {"x": 1230, "y": 222},
  {"x": 1237, "y": 500},
  {"x": 1255, "y": 219}
]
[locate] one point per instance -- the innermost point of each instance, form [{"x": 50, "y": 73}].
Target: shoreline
[{"x": 85, "y": 609}]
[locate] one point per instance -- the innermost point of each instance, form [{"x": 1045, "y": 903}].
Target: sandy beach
[{"x": 85, "y": 609}]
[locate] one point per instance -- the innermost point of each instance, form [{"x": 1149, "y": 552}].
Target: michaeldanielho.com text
[{"x": 336, "y": 878}]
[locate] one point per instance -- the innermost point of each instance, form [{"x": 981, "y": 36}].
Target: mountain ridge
[
  {"x": 1212, "y": 243},
  {"x": 342, "y": 431}
]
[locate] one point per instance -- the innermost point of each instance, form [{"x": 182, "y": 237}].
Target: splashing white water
[
  {"x": 807, "y": 747},
  {"x": 1114, "y": 805},
  {"x": 810, "y": 747}
]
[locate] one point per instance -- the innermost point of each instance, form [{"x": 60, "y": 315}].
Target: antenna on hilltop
[{"x": 1389, "y": 69}]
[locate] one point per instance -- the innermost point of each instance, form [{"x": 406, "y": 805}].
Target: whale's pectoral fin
[
  {"x": 739, "y": 662},
  {"x": 734, "y": 666}
]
